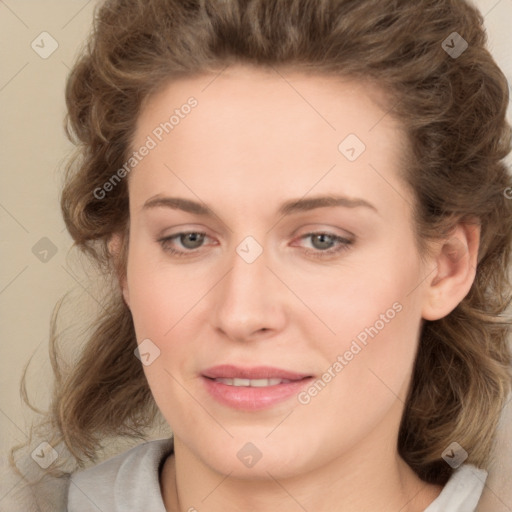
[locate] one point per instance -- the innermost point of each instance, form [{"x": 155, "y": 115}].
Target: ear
[
  {"x": 456, "y": 260},
  {"x": 115, "y": 248}
]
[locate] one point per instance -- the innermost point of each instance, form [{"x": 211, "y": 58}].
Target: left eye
[{"x": 324, "y": 244}]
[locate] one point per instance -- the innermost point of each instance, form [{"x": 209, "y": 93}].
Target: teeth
[{"x": 254, "y": 383}]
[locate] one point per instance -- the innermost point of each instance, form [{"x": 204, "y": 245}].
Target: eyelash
[{"x": 316, "y": 253}]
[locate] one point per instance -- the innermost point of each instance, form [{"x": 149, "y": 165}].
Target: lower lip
[{"x": 253, "y": 398}]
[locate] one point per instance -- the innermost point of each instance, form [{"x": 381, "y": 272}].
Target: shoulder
[
  {"x": 128, "y": 481},
  {"x": 462, "y": 492}
]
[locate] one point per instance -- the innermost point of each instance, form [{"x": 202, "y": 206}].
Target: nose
[{"x": 250, "y": 301}]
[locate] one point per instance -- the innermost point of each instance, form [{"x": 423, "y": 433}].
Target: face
[{"x": 238, "y": 272}]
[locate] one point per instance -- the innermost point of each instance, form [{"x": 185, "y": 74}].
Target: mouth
[
  {"x": 253, "y": 383},
  {"x": 255, "y": 373},
  {"x": 253, "y": 388}
]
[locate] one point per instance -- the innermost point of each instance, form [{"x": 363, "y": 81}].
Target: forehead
[
  {"x": 266, "y": 130},
  {"x": 265, "y": 97}
]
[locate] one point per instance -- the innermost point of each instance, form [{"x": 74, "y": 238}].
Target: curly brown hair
[{"x": 453, "y": 109}]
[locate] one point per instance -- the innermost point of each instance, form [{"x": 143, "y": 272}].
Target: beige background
[{"x": 34, "y": 149}]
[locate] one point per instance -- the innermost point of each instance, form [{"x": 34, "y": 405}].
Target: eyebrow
[{"x": 287, "y": 208}]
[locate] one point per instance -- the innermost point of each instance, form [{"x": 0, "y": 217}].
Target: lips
[
  {"x": 227, "y": 371},
  {"x": 252, "y": 389}
]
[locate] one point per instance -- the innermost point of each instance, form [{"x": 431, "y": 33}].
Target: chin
[{"x": 254, "y": 457}]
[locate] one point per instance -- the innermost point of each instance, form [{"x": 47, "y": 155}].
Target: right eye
[{"x": 189, "y": 240}]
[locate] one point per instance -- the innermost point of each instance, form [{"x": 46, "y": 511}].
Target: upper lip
[{"x": 228, "y": 371}]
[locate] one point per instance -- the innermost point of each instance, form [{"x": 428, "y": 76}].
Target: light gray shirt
[{"x": 129, "y": 482}]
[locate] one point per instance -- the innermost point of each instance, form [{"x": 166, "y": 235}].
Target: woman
[{"x": 305, "y": 207}]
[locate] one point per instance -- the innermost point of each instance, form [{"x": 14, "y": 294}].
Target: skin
[{"x": 254, "y": 141}]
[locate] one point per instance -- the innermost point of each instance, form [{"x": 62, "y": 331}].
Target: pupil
[
  {"x": 193, "y": 238},
  {"x": 322, "y": 240}
]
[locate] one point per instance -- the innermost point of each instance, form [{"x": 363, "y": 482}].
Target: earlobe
[
  {"x": 115, "y": 248},
  {"x": 124, "y": 290},
  {"x": 455, "y": 271}
]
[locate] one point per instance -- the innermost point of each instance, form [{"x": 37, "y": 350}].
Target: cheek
[
  {"x": 375, "y": 339},
  {"x": 164, "y": 304},
  {"x": 376, "y": 317},
  {"x": 160, "y": 295},
  {"x": 372, "y": 299}
]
